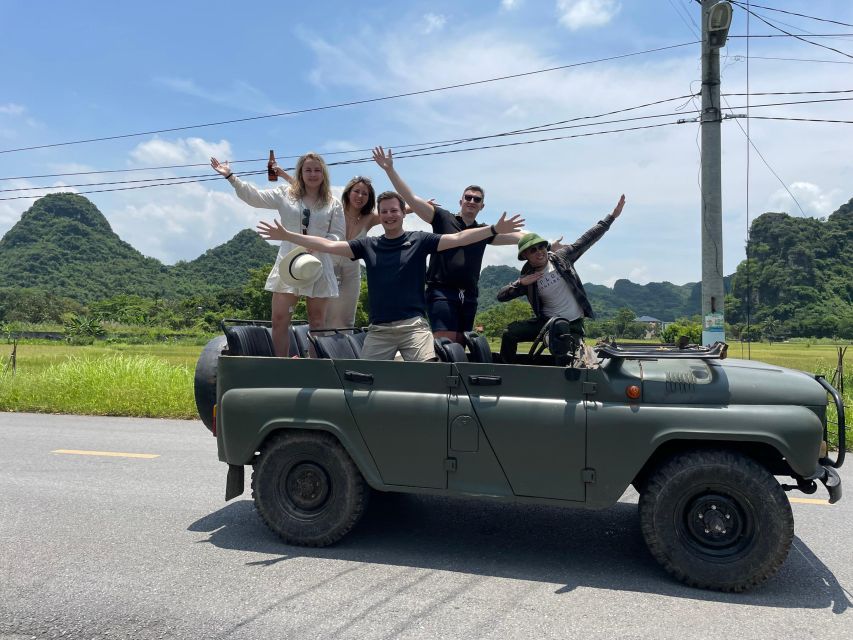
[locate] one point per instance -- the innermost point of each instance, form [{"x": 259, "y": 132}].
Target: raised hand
[
  {"x": 271, "y": 231},
  {"x": 385, "y": 161},
  {"x": 509, "y": 226},
  {"x": 281, "y": 173},
  {"x": 530, "y": 278},
  {"x": 619, "y": 206},
  {"x": 557, "y": 244},
  {"x": 222, "y": 168}
]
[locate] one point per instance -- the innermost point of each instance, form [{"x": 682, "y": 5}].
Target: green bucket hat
[{"x": 529, "y": 240}]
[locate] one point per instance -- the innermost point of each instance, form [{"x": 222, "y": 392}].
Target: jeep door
[
  {"x": 534, "y": 419},
  {"x": 401, "y": 411}
]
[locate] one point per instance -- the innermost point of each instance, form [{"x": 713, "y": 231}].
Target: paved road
[{"x": 117, "y": 547}]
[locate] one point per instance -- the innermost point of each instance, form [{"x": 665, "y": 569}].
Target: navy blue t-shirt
[
  {"x": 396, "y": 272},
  {"x": 456, "y": 268}
]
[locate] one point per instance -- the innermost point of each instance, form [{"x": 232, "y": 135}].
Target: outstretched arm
[
  {"x": 470, "y": 236},
  {"x": 591, "y": 236},
  {"x": 276, "y": 232},
  {"x": 247, "y": 192},
  {"x": 421, "y": 207}
]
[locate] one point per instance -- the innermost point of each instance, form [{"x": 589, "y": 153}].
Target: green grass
[
  {"x": 156, "y": 380},
  {"x": 112, "y": 385}
]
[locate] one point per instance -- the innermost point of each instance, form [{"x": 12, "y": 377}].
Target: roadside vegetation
[{"x": 156, "y": 380}]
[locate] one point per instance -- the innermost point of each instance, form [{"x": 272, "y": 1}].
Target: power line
[
  {"x": 799, "y": 15},
  {"x": 785, "y": 34},
  {"x": 422, "y": 147},
  {"x": 350, "y": 103},
  {"x": 413, "y": 154},
  {"x": 736, "y": 57},
  {"x": 351, "y": 151},
  {"x": 801, "y": 119},
  {"x": 529, "y": 131},
  {"x": 532, "y": 130},
  {"x": 791, "y": 35}
]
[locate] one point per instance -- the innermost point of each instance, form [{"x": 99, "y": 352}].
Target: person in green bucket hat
[{"x": 551, "y": 284}]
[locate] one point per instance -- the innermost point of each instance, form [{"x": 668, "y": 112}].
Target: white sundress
[{"x": 324, "y": 221}]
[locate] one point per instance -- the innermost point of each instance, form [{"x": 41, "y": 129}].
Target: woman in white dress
[
  {"x": 358, "y": 200},
  {"x": 306, "y": 206}
]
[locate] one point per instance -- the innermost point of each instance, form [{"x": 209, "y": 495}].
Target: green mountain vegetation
[
  {"x": 62, "y": 258},
  {"x": 662, "y": 300},
  {"x": 64, "y": 245},
  {"x": 799, "y": 277}
]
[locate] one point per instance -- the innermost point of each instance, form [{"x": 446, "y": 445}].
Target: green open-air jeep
[{"x": 698, "y": 435}]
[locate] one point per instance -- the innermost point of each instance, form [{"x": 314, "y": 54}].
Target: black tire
[
  {"x": 716, "y": 520},
  {"x": 205, "y": 379},
  {"x": 307, "y": 488}
]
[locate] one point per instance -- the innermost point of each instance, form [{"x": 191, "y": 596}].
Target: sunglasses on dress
[{"x": 306, "y": 218}]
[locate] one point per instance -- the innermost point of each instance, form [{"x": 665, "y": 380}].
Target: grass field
[{"x": 156, "y": 380}]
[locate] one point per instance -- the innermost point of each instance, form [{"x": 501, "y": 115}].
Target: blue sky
[{"x": 89, "y": 69}]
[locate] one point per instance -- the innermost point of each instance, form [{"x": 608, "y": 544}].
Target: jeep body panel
[{"x": 520, "y": 432}]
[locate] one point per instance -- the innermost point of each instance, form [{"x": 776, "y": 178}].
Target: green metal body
[{"x": 520, "y": 432}]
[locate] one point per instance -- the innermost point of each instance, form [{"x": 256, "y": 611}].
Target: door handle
[
  {"x": 485, "y": 380},
  {"x": 355, "y": 376}
]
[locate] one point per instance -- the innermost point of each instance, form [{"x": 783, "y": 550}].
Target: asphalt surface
[{"x": 95, "y": 546}]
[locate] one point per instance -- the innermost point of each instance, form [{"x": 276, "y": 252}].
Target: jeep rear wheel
[
  {"x": 307, "y": 488},
  {"x": 716, "y": 520}
]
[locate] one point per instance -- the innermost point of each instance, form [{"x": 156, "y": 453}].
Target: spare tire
[{"x": 205, "y": 379}]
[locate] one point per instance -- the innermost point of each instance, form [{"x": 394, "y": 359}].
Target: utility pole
[{"x": 716, "y": 19}]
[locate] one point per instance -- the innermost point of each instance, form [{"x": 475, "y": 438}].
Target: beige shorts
[{"x": 411, "y": 337}]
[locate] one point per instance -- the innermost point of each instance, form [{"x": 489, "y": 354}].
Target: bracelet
[
  {"x": 229, "y": 175},
  {"x": 494, "y": 231}
]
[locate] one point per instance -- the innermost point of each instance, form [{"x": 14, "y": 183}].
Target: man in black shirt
[
  {"x": 452, "y": 277},
  {"x": 396, "y": 273}
]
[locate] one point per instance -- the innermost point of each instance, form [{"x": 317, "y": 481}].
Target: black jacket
[{"x": 563, "y": 261}]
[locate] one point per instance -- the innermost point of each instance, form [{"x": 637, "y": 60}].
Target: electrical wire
[
  {"x": 793, "y": 13},
  {"x": 538, "y": 129},
  {"x": 530, "y": 129},
  {"x": 352, "y": 151},
  {"x": 791, "y": 35},
  {"x": 413, "y": 154},
  {"x": 796, "y": 59},
  {"x": 350, "y": 103}
]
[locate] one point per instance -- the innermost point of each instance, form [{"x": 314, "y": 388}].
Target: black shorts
[{"x": 451, "y": 309}]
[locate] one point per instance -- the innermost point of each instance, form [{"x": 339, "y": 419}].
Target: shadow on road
[{"x": 598, "y": 549}]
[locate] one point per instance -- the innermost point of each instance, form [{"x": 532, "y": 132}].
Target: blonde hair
[{"x": 298, "y": 188}]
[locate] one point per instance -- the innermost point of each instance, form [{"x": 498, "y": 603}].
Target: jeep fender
[{"x": 247, "y": 417}]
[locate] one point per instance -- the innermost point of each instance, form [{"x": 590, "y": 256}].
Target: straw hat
[{"x": 299, "y": 268}]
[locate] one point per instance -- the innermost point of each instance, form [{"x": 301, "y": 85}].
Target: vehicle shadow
[{"x": 598, "y": 549}]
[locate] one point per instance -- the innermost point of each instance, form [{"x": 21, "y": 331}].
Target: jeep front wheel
[
  {"x": 716, "y": 520},
  {"x": 307, "y": 489}
]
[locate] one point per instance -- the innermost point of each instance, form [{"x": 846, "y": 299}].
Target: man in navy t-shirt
[
  {"x": 396, "y": 274},
  {"x": 453, "y": 276}
]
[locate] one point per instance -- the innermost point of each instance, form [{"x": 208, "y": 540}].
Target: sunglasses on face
[
  {"x": 306, "y": 218},
  {"x": 538, "y": 248},
  {"x": 474, "y": 199}
]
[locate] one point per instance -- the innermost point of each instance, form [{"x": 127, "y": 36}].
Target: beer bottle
[{"x": 271, "y": 176}]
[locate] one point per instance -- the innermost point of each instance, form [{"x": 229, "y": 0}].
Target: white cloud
[
  {"x": 578, "y": 14},
  {"x": 181, "y": 151},
  {"x": 433, "y": 22},
  {"x": 12, "y": 109},
  {"x": 509, "y": 5},
  {"x": 639, "y": 275},
  {"x": 812, "y": 198},
  {"x": 563, "y": 187}
]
